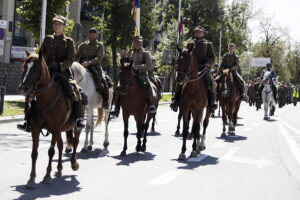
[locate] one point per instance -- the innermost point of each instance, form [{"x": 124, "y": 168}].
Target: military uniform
[
  {"x": 93, "y": 52},
  {"x": 231, "y": 61},
  {"x": 204, "y": 52},
  {"x": 58, "y": 52}
]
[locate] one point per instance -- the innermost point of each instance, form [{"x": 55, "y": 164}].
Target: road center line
[
  {"x": 290, "y": 126},
  {"x": 166, "y": 177}
]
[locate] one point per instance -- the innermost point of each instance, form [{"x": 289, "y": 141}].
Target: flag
[
  {"x": 180, "y": 24},
  {"x": 135, "y": 14}
]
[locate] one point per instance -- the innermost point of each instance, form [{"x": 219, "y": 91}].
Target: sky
[{"x": 285, "y": 13}]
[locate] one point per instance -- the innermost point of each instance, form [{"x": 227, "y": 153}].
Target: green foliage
[
  {"x": 31, "y": 10},
  {"x": 69, "y": 28}
]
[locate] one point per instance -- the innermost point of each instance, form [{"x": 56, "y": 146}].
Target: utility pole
[
  {"x": 43, "y": 22},
  {"x": 220, "y": 45}
]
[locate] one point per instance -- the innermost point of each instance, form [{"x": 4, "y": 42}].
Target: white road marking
[
  {"x": 199, "y": 158},
  {"x": 286, "y": 124},
  {"x": 219, "y": 145},
  {"x": 166, "y": 177},
  {"x": 229, "y": 156},
  {"x": 291, "y": 143}
]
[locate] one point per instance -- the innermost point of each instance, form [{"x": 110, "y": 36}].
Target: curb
[
  {"x": 8, "y": 119},
  {"x": 17, "y": 118}
]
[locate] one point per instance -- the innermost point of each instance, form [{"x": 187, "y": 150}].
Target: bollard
[{"x": 2, "y": 93}]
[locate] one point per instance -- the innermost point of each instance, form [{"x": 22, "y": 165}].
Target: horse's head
[
  {"x": 34, "y": 70},
  {"x": 184, "y": 60},
  {"x": 266, "y": 77},
  {"x": 125, "y": 76},
  {"x": 227, "y": 83}
]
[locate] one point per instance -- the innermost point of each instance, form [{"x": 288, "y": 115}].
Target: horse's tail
[
  {"x": 69, "y": 135},
  {"x": 100, "y": 116}
]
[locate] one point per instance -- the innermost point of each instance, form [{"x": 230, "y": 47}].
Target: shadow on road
[
  {"x": 232, "y": 139},
  {"x": 59, "y": 186},
  {"x": 152, "y": 133},
  {"x": 134, "y": 157},
  {"x": 190, "y": 165}
]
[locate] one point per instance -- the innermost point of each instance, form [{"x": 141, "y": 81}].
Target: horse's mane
[{"x": 78, "y": 69}]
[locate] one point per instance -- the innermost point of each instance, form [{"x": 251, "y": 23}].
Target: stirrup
[{"x": 174, "y": 105}]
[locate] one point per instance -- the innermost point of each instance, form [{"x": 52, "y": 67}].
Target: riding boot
[
  {"x": 78, "y": 108},
  {"x": 26, "y": 125},
  {"x": 105, "y": 95},
  {"x": 242, "y": 94},
  {"x": 116, "y": 102},
  {"x": 212, "y": 100},
  {"x": 175, "y": 100}
]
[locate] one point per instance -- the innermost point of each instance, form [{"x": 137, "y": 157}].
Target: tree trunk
[{"x": 115, "y": 64}]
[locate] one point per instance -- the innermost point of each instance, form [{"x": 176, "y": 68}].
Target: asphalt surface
[{"x": 261, "y": 162}]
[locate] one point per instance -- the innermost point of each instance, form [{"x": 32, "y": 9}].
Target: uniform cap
[
  {"x": 232, "y": 45},
  {"x": 93, "y": 30},
  {"x": 138, "y": 38},
  {"x": 269, "y": 65},
  {"x": 59, "y": 18},
  {"x": 199, "y": 28}
]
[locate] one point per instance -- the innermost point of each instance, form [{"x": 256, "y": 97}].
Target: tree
[{"x": 31, "y": 11}]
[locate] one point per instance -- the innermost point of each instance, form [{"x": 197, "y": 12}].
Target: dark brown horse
[
  {"x": 193, "y": 99},
  {"x": 229, "y": 101},
  {"x": 50, "y": 110},
  {"x": 133, "y": 102}
]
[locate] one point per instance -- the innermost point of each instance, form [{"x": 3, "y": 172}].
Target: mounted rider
[
  {"x": 230, "y": 61},
  {"x": 58, "y": 51},
  {"x": 269, "y": 69},
  {"x": 142, "y": 66},
  {"x": 203, "y": 50},
  {"x": 90, "y": 54},
  {"x": 154, "y": 78}
]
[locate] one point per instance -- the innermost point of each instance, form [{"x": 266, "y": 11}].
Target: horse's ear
[
  {"x": 190, "y": 46},
  {"x": 27, "y": 53},
  {"x": 178, "y": 48}
]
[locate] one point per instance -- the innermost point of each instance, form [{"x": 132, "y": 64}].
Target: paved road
[{"x": 263, "y": 162}]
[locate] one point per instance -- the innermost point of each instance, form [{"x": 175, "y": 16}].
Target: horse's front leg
[
  {"x": 185, "y": 133},
  {"x": 74, "y": 164},
  {"x": 51, "y": 151},
  {"x": 224, "y": 120},
  {"x": 177, "y": 133},
  {"x": 144, "y": 130},
  {"x": 60, "y": 149},
  {"x": 202, "y": 146},
  {"x": 106, "y": 142},
  {"x": 88, "y": 128},
  {"x": 35, "y": 134},
  {"x": 196, "y": 134},
  {"x": 125, "y": 134},
  {"x": 140, "y": 128}
]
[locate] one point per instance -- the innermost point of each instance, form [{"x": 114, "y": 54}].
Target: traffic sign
[{"x": 2, "y": 32}]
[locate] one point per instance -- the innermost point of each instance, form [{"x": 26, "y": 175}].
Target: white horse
[
  {"x": 85, "y": 80},
  {"x": 267, "y": 95}
]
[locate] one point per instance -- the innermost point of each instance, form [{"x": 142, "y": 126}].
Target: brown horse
[
  {"x": 50, "y": 110},
  {"x": 133, "y": 102},
  {"x": 193, "y": 99},
  {"x": 229, "y": 101}
]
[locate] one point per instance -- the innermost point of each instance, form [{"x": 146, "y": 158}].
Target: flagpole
[
  {"x": 138, "y": 17},
  {"x": 179, "y": 14}
]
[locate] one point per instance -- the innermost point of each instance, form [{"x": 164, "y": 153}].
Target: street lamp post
[{"x": 43, "y": 22}]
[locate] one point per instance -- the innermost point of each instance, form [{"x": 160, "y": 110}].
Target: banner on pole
[{"x": 259, "y": 62}]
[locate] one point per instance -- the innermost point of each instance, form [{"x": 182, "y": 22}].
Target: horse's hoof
[
  {"x": 182, "y": 157},
  {"x": 30, "y": 185},
  {"x": 266, "y": 118},
  {"x": 68, "y": 150},
  {"x": 223, "y": 135},
  {"x": 90, "y": 147},
  {"x": 138, "y": 148},
  {"x": 58, "y": 174},
  {"x": 75, "y": 166},
  {"x": 177, "y": 133},
  {"x": 194, "y": 154},
  {"x": 83, "y": 150},
  {"x": 143, "y": 148},
  {"x": 190, "y": 136},
  {"x": 202, "y": 148},
  {"x": 123, "y": 153},
  {"x": 106, "y": 144},
  {"x": 46, "y": 180},
  {"x": 153, "y": 130},
  {"x": 232, "y": 133}
]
